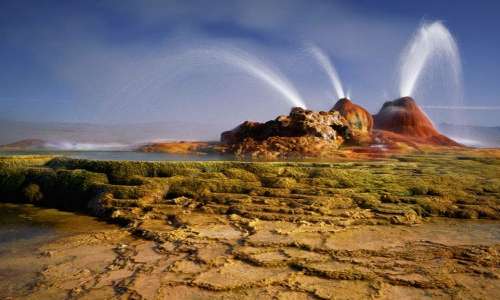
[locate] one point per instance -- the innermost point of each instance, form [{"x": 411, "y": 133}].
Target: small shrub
[
  {"x": 464, "y": 214},
  {"x": 211, "y": 175},
  {"x": 264, "y": 169},
  {"x": 279, "y": 182},
  {"x": 325, "y": 182},
  {"x": 325, "y": 172},
  {"x": 433, "y": 206},
  {"x": 492, "y": 186},
  {"x": 296, "y": 172},
  {"x": 345, "y": 182},
  {"x": 240, "y": 174},
  {"x": 32, "y": 193},
  {"x": 344, "y": 178},
  {"x": 130, "y": 181},
  {"x": 419, "y": 190},
  {"x": 284, "y": 182},
  {"x": 365, "y": 200},
  {"x": 11, "y": 181},
  {"x": 172, "y": 169},
  {"x": 435, "y": 191},
  {"x": 389, "y": 198}
]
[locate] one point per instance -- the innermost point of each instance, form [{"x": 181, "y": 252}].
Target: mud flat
[
  {"x": 406, "y": 227},
  {"x": 25, "y": 231}
]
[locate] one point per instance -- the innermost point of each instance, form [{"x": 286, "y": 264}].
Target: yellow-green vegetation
[
  {"x": 448, "y": 185},
  {"x": 24, "y": 160}
]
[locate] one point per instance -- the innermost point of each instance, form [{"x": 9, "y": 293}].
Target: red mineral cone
[
  {"x": 404, "y": 117},
  {"x": 360, "y": 121}
]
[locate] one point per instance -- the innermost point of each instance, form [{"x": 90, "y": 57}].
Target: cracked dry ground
[{"x": 276, "y": 243}]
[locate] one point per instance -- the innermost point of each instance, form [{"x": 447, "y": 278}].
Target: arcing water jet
[
  {"x": 258, "y": 69},
  {"x": 328, "y": 67},
  {"x": 432, "y": 40}
]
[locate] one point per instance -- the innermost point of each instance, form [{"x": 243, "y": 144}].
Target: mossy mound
[{"x": 430, "y": 185}]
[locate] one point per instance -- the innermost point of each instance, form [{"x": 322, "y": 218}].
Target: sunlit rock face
[
  {"x": 359, "y": 120},
  {"x": 283, "y": 134},
  {"x": 300, "y": 122},
  {"x": 403, "y": 116}
]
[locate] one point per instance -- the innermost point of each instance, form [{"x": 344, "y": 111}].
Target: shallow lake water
[
  {"x": 124, "y": 155},
  {"x": 24, "y": 227}
]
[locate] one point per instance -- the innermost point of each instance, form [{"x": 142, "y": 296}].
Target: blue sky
[{"x": 139, "y": 61}]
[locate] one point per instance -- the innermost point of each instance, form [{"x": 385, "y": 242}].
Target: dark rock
[
  {"x": 300, "y": 122},
  {"x": 286, "y": 147},
  {"x": 286, "y": 135}
]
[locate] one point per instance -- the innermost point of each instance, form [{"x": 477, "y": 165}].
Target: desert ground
[{"x": 401, "y": 227}]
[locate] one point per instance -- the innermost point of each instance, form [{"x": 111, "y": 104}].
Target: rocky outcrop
[
  {"x": 286, "y": 147},
  {"x": 404, "y": 117},
  {"x": 359, "y": 120},
  {"x": 399, "y": 125},
  {"x": 294, "y": 133},
  {"x": 300, "y": 122}
]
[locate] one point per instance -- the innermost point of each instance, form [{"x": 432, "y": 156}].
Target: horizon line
[{"x": 462, "y": 107}]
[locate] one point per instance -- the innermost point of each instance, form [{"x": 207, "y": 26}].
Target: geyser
[
  {"x": 405, "y": 117},
  {"x": 328, "y": 67},
  {"x": 432, "y": 41},
  {"x": 258, "y": 69}
]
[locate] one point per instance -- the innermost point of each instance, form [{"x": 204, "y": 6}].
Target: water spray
[
  {"x": 432, "y": 40},
  {"x": 258, "y": 69},
  {"x": 328, "y": 67}
]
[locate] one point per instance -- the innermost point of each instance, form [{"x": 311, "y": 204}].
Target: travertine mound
[
  {"x": 286, "y": 147},
  {"x": 300, "y": 133},
  {"x": 359, "y": 120},
  {"x": 404, "y": 117}
]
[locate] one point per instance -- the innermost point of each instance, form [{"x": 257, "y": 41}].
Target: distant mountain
[
  {"x": 14, "y": 131},
  {"x": 37, "y": 144},
  {"x": 478, "y": 136},
  {"x": 27, "y": 144}
]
